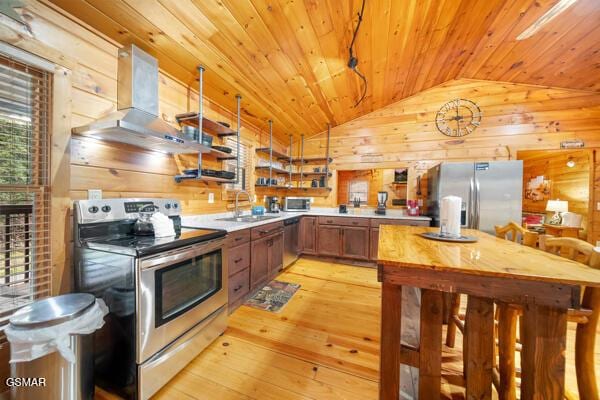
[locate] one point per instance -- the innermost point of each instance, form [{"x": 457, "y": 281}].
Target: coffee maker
[
  {"x": 272, "y": 204},
  {"x": 381, "y": 200}
]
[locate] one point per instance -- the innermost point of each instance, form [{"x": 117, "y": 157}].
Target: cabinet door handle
[
  {"x": 235, "y": 289},
  {"x": 265, "y": 232},
  {"x": 329, "y": 221},
  {"x": 237, "y": 239},
  {"x": 354, "y": 222},
  {"x": 237, "y": 260}
]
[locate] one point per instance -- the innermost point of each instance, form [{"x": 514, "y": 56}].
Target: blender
[{"x": 381, "y": 199}]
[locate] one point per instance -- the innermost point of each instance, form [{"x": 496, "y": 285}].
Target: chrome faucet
[{"x": 237, "y": 195}]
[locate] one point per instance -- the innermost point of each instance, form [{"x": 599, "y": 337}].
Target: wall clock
[{"x": 458, "y": 117}]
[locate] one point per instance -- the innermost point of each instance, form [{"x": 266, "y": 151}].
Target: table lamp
[{"x": 557, "y": 206}]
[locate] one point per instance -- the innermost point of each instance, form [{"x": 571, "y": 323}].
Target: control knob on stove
[
  {"x": 93, "y": 209},
  {"x": 167, "y": 206},
  {"x": 106, "y": 208}
]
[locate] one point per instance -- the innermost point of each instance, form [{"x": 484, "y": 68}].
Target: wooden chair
[{"x": 586, "y": 318}]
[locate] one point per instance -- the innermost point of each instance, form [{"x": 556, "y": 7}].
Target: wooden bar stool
[{"x": 586, "y": 318}]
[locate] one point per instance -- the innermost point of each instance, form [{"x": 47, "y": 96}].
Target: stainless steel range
[{"x": 167, "y": 296}]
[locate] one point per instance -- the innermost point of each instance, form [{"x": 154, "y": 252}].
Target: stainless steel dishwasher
[{"x": 290, "y": 240}]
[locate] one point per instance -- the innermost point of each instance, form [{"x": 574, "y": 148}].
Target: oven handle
[{"x": 162, "y": 261}]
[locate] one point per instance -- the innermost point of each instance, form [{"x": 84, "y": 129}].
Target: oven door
[{"x": 176, "y": 291}]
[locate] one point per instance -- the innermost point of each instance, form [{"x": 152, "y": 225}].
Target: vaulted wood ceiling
[{"x": 288, "y": 57}]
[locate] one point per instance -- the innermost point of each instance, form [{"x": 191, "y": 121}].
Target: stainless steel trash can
[{"x": 62, "y": 380}]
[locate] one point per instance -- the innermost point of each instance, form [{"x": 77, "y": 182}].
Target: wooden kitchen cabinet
[
  {"x": 308, "y": 235},
  {"x": 266, "y": 259},
  {"x": 373, "y": 243},
  {"x": 330, "y": 240},
  {"x": 276, "y": 255},
  {"x": 355, "y": 242},
  {"x": 259, "y": 264}
]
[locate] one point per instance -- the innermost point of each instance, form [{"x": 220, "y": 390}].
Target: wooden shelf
[
  {"x": 309, "y": 161},
  {"x": 208, "y": 125},
  {"x": 277, "y": 171},
  {"x": 182, "y": 177},
  {"x": 296, "y": 175},
  {"x": 313, "y": 190},
  {"x": 276, "y": 155},
  {"x": 399, "y": 183}
]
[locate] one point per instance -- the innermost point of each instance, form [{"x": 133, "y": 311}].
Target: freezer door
[
  {"x": 498, "y": 198},
  {"x": 457, "y": 179}
]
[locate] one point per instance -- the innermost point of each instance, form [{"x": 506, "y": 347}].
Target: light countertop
[{"x": 211, "y": 221}]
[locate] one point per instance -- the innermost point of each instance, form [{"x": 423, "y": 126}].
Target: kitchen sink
[{"x": 248, "y": 218}]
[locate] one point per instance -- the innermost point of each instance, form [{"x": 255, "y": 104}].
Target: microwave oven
[{"x": 296, "y": 204}]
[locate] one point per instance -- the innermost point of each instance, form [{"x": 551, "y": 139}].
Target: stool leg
[
  {"x": 454, "y": 310},
  {"x": 585, "y": 340},
  {"x": 479, "y": 328},
  {"x": 507, "y": 338}
]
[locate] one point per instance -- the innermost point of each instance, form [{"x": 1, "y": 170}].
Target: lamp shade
[{"x": 557, "y": 206}]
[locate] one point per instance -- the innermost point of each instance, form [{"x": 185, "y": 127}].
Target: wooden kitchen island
[{"x": 490, "y": 270}]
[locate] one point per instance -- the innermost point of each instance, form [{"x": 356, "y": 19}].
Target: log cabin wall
[
  {"x": 515, "y": 117},
  {"x": 85, "y": 88},
  {"x": 571, "y": 184}
]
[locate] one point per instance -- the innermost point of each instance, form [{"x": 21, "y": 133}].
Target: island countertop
[
  {"x": 490, "y": 272},
  {"x": 402, "y": 246}
]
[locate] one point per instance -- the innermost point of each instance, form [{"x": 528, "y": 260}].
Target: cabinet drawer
[
  {"x": 239, "y": 285},
  {"x": 344, "y": 221},
  {"x": 266, "y": 230},
  {"x": 238, "y": 237},
  {"x": 375, "y": 222},
  {"x": 239, "y": 258}
]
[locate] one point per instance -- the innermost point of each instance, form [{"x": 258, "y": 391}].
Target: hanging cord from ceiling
[{"x": 352, "y": 60}]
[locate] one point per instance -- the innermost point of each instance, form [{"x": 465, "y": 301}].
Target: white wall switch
[
  {"x": 598, "y": 206},
  {"x": 211, "y": 198},
  {"x": 255, "y": 199},
  {"x": 312, "y": 200},
  {"x": 94, "y": 194}
]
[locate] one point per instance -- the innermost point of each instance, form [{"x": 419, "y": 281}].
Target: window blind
[
  {"x": 25, "y": 94},
  {"x": 245, "y": 167}
]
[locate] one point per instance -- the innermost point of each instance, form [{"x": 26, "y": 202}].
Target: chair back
[
  {"x": 571, "y": 248},
  {"x": 516, "y": 233}
]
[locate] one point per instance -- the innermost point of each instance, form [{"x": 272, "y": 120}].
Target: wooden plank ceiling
[{"x": 288, "y": 57}]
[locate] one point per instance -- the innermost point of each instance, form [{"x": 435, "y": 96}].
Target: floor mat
[{"x": 273, "y": 296}]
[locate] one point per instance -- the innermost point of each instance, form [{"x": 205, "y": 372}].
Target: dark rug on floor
[{"x": 273, "y": 296}]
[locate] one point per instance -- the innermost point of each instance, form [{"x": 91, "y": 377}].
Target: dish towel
[{"x": 163, "y": 226}]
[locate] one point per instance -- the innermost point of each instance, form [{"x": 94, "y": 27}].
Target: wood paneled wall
[
  {"x": 571, "y": 184},
  {"x": 515, "y": 117}
]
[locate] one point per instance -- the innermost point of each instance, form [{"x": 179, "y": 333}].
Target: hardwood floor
[{"x": 323, "y": 345}]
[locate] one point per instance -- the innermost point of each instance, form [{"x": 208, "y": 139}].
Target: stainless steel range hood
[{"x": 136, "y": 122}]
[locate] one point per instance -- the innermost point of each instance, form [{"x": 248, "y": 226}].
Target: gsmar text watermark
[{"x": 25, "y": 382}]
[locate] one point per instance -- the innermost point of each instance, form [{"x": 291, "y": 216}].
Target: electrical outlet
[
  {"x": 598, "y": 206},
  {"x": 94, "y": 194},
  {"x": 211, "y": 198},
  {"x": 255, "y": 199},
  {"x": 312, "y": 200}
]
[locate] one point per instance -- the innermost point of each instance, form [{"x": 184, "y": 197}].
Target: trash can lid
[{"x": 52, "y": 311}]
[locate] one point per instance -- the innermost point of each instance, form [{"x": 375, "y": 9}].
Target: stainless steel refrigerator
[{"x": 491, "y": 192}]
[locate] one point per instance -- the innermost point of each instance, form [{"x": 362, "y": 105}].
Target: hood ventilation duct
[{"x": 136, "y": 122}]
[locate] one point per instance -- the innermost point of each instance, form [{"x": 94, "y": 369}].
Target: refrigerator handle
[
  {"x": 471, "y": 213},
  {"x": 477, "y": 201}
]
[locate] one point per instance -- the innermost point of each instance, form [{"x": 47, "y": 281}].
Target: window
[
  {"x": 358, "y": 190},
  {"x": 245, "y": 167},
  {"x": 25, "y": 94}
]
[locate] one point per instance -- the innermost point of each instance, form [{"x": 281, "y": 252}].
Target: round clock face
[{"x": 458, "y": 117}]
